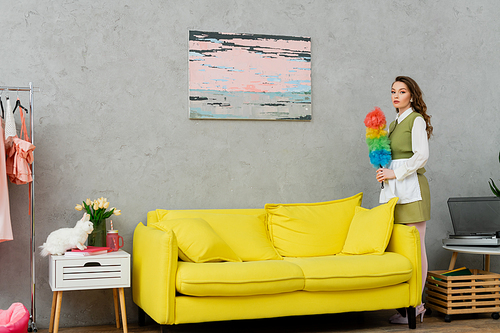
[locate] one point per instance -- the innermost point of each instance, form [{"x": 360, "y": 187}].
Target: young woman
[{"x": 409, "y": 135}]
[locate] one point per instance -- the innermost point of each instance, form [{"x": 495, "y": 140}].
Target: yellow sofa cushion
[
  {"x": 238, "y": 279},
  {"x": 314, "y": 229},
  {"x": 336, "y": 273},
  {"x": 370, "y": 229},
  {"x": 197, "y": 241},
  {"x": 245, "y": 234}
]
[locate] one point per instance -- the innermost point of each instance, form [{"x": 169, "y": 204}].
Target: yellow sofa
[{"x": 193, "y": 266}]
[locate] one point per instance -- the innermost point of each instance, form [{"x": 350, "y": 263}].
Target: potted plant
[
  {"x": 493, "y": 187},
  {"x": 98, "y": 213}
]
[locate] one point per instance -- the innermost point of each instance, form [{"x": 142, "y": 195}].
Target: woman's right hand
[{"x": 384, "y": 174}]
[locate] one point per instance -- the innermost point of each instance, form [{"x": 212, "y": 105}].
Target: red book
[{"x": 90, "y": 251}]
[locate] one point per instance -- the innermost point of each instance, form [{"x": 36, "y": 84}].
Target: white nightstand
[{"x": 104, "y": 271}]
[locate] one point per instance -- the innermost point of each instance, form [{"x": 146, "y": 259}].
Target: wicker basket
[{"x": 476, "y": 293}]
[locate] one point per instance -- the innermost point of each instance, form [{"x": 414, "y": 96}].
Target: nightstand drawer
[{"x": 110, "y": 270}]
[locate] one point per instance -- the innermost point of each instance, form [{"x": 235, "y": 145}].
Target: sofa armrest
[
  {"x": 406, "y": 241},
  {"x": 153, "y": 272}
]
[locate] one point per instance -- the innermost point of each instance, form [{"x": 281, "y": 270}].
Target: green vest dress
[{"x": 401, "y": 147}]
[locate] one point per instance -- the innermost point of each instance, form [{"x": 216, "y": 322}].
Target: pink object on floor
[{"x": 15, "y": 319}]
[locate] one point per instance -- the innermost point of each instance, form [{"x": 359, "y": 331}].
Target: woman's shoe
[
  {"x": 420, "y": 310},
  {"x": 399, "y": 319}
]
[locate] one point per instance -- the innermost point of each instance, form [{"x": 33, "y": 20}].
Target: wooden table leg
[
  {"x": 53, "y": 311},
  {"x": 453, "y": 260},
  {"x": 487, "y": 262},
  {"x": 124, "y": 314},
  {"x": 58, "y": 311},
  {"x": 117, "y": 313}
]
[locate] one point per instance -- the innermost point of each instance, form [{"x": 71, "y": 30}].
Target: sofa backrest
[{"x": 281, "y": 230}]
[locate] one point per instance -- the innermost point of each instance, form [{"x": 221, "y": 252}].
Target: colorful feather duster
[{"x": 378, "y": 143}]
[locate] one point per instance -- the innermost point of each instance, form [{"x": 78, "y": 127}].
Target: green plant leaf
[
  {"x": 108, "y": 214},
  {"x": 87, "y": 208},
  {"x": 494, "y": 188},
  {"x": 99, "y": 213}
]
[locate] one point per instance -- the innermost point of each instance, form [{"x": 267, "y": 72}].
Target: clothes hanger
[{"x": 18, "y": 104}]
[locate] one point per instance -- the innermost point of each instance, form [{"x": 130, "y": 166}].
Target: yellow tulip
[
  {"x": 88, "y": 202},
  {"x": 117, "y": 212},
  {"x": 78, "y": 207},
  {"x": 96, "y": 205},
  {"x": 106, "y": 204},
  {"x": 101, "y": 204}
]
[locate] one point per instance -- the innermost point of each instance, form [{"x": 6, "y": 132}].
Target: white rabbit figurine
[{"x": 61, "y": 240}]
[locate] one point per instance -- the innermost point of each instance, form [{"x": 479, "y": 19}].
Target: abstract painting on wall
[{"x": 249, "y": 76}]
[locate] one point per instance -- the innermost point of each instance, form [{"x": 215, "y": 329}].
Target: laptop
[{"x": 476, "y": 221}]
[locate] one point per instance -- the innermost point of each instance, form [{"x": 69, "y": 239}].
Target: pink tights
[{"x": 421, "y": 230}]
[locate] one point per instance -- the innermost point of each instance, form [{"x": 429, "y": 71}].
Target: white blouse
[{"x": 406, "y": 186}]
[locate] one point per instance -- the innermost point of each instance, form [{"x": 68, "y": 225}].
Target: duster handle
[{"x": 382, "y": 186}]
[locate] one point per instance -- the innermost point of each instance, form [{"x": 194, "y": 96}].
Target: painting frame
[{"x": 244, "y": 76}]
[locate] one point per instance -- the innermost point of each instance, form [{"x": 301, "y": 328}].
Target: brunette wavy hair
[{"x": 417, "y": 103}]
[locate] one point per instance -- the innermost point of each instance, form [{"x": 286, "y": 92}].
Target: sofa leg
[
  {"x": 142, "y": 317},
  {"x": 412, "y": 320},
  {"x": 165, "y": 329}
]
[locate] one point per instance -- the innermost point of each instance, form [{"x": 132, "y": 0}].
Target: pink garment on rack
[
  {"x": 20, "y": 156},
  {"x": 5, "y": 224}
]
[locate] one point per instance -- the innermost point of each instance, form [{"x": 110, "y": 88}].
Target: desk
[
  {"x": 484, "y": 250},
  {"x": 103, "y": 271}
]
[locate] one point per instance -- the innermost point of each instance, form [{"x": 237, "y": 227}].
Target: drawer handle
[{"x": 91, "y": 264}]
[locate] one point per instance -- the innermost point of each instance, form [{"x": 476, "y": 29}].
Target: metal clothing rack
[{"x": 32, "y": 326}]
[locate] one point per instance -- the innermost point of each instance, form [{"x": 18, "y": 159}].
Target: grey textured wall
[{"x": 112, "y": 115}]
